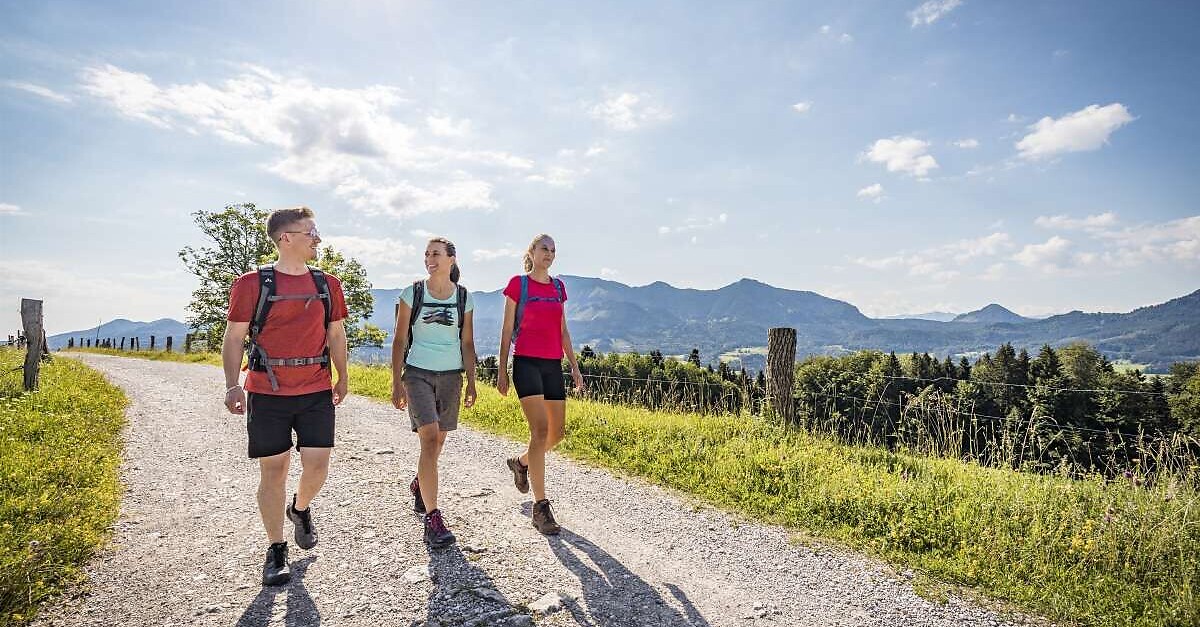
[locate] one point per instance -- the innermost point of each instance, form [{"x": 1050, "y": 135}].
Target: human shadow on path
[
  {"x": 463, "y": 592},
  {"x": 615, "y": 596},
  {"x": 301, "y": 610}
]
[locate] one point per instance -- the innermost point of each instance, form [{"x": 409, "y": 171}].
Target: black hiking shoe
[
  {"x": 520, "y": 474},
  {"x": 418, "y": 502},
  {"x": 436, "y": 533},
  {"x": 543, "y": 518},
  {"x": 275, "y": 569},
  {"x": 306, "y": 534}
]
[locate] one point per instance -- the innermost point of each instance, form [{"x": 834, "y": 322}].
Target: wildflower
[{"x": 1109, "y": 515}]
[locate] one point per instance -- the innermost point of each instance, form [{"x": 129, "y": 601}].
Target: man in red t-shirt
[{"x": 288, "y": 385}]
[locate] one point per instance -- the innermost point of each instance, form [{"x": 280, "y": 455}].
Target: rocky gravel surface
[{"x": 188, "y": 546}]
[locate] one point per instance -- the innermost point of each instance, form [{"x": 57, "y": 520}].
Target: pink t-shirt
[{"x": 541, "y": 324}]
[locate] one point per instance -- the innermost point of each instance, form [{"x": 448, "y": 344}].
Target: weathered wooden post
[
  {"x": 151, "y": 342},
  {"x": 169, "y": 342},
  {"x": 187, "y": 343},
  {"x": 123, "y": 343},
  {"x": 781, "y": 372},
  {"x": 31, "y": 320},
  {"x": 89, "y": 342},
  {"x": 70, "y": 342}
]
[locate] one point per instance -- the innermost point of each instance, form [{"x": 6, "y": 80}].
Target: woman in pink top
[{"x": 535, "y": 320}]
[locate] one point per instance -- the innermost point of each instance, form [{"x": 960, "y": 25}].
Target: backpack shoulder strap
[
  {"x": 418, "y": 300},
  {"x": 322, "y": 283},
  {"x": 558, "y": 287},
  {"x": 266, "y": 289},
  {"x": 520, "y": 306},
  {"x": 460, "y": 302}
]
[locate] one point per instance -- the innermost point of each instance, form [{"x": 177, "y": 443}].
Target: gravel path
[{"x": 188, "y": 545}]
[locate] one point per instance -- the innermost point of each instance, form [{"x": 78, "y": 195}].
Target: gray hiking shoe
[
  {"x": 520, "y": 474},
  {"x": 306, "y": 534},
  {"x": 275, "y": 569}
]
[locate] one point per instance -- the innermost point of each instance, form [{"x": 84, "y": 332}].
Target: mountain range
[{"x": 611, "y": 316}]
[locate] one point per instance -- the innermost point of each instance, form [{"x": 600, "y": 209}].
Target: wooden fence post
[
  {"x": 123, "y": 343},
  {"x": 31, "y": 319},
  {"x": 781, "y": 372},
  {"x": 151, "y": 342},
  {"x": 169, "y": 338},
  {"x": 70, "y": 342},
  {"x": 187, "y": 343}
]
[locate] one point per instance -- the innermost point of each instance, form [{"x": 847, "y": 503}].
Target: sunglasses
[{"x": 312, "y": 233}]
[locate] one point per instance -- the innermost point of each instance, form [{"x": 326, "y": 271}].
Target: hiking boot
[
  {"x": 275, "y": 569},
  {"x": 520, "y": 474},
  {"x": 418, "y": 502},
  {"x": 543, "y": 519},
  {"x": 306, "y": 534},
  {"x": 436, "y": 533}
]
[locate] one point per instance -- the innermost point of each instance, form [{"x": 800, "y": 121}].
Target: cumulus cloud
[
  {"x": 942, "y": 263},
  {"x": 484, "y": 254},
  {"x": 39, "y": 90},
  {"x": 903, "y": 154},
  {"x": 871, "y": 192},
  {"x": 695, "y": 224},
  {"x": 932, "y": 11},
  {"x": 844, "y": 38},
  {"x": 366, "y": 145},
  {"x": 1084, "y": 130},
  {"x": 1172, "y": 241},
  {"x": 1051, "y": 255},
  {"x": 969, "y": 142},
  {"x": 368, "y": 250},
  {"x": 608, "y": 273},
  {"x": 628, "y": 111},
  {"x": 1089, "y": 223},
  {"x": 803, "y": 106}
]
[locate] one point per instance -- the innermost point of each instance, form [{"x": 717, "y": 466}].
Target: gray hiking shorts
[{"x": 433, "y": 397}]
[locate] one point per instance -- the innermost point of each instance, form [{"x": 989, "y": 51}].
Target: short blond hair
[{"x": 281, "y": 219}]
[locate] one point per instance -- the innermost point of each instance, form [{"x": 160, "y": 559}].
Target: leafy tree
[
  {"x": 694, "y": 358},
  {"x": 587, "y": 352},
  {"x": 240, "y": 244}
]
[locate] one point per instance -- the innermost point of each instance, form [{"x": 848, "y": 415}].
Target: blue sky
[{"x": 902, "y": 156}]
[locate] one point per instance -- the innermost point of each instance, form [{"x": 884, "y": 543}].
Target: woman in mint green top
[{"x": 433, "y": 346}]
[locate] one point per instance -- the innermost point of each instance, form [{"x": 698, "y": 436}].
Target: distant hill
[
  {"x": 121, "y": 327},
  {"x": 992, "y": 314},
  {"x": 612, "y": 316},
  {"x": 937, "y": 316}
]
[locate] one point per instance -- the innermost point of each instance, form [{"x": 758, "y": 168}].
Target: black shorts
[
  {"x": 270, "y": 420},
  {"x": 533, "y": 376}
]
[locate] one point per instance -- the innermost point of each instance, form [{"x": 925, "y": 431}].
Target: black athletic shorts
[
  {"x": 270, "y": 420},
  {"x": 533, "y": 376}
]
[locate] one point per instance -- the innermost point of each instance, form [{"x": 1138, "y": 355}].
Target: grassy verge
[
  {"x": 1096, "y": 552},
  {"x": 60, "y": 449}
]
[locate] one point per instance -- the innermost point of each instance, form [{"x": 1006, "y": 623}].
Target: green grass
[
  {"x": 1092, "y": 551},
  {"x": 190, "y": 358},
  {"x": 60, "y": 449}
]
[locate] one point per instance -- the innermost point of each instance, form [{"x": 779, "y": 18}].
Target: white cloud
[
  {"x": 1012, "y": 117},
  {"x": 871, "y": 192},
  {"x": 903, "y": 154},
  {"x": 933, "y": 262},
  {"x": 695, "y": 224},
  {"x": 803, "y": 106},
  {"x": 483, "y": 254},
  {"x": 557, "y": 176},
  {"x": 445, "y": 126},
  {"x": 629, "y": 111},
  {"x": 423, "y": 234},
  {"x": 39, "y": 90},
  {"x": 1053, "y": 254},
  {"x": 1086, "y": 129},
  {"x": 827, "y": 30},
  {"x": 362, "y": 144},
  {"x": 845, "y": 38},
  {"x": 1173, "y": 241},
  {"x": 932, "y": 11},
  {"x": 11, "y": 210},
  {"x": 595, "y": 150},
  {"x": 608, "y": 273},
  {"x": 1090, "y": 223},
  {"x": 374, "y": 251},
  {"x": 969, "y": 142}
]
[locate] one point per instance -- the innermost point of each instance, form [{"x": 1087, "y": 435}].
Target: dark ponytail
[{"x": 450, "y": 252}]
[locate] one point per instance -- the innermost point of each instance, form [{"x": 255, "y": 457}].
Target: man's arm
[
  {"x": 339, "y": 354},
  {"x": 231, "y": 360}
]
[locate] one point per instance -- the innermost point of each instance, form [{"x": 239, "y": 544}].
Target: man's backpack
[
  {"x": 560, "y": 296},
  {"x": 256, "y": 357}
]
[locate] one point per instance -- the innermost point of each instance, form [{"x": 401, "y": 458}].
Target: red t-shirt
[
  {"x": 292, "y": 329},
  {"x": 541, "y": 324}
]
